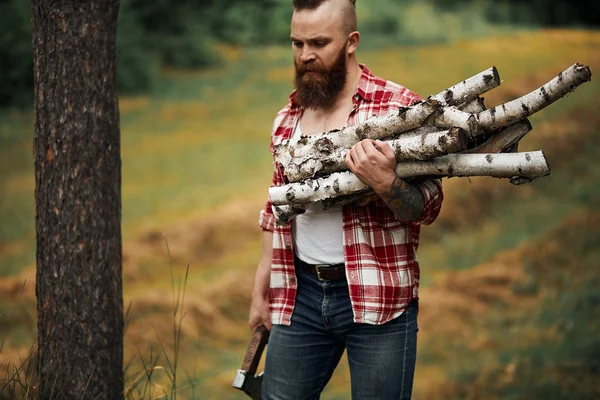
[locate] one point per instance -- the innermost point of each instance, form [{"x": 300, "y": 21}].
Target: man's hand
[
  {"x": 373, "y": 162},
  {"x": 259, "y": 313}
]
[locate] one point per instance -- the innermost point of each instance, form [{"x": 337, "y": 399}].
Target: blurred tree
[
  {"x": 78, "y": 200},
  {"x": 538, "y": 12},
  {"x": 182, "y": 34},
  {"x": 15, "y": 54}
]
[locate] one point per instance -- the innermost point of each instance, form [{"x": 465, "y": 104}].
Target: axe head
[
  {"x": 249, "y": 384},
  {"x": 246, "y": 378}
]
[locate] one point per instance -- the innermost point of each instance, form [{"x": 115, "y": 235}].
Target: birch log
[
  {"x": 424, "y": 147},
  {"x": 470, "y": 88},
  {"x": 521, "y": 108},
  {"x": 504, "y": 139},
  {"x": 520, "y": 167},
  {"x": 474, "y": 106},
  {"x": 383, "y": 127},
  {"x": 452, "y": 117},
  {"x": 373, "y": 128}
]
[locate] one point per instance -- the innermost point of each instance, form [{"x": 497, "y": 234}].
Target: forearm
[
  {"x": 262, "y": 276},
  {"x": 406, "y": 200}
]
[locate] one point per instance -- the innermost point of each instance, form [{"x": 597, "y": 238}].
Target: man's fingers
[
  {"x": 359, "y": 151},
  {"x": 385, "y": 149},
  {"x": 371, "y": 150},
  {"x": 265, "y": 320},
  {"x": 349, "y": 160},
  {"x": 268, "y": 324}
]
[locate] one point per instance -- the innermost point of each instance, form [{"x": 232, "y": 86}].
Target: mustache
[{"x": 301, "y": 68}]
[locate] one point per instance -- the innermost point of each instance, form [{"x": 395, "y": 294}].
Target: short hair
[{"x": 350, "y": 22}]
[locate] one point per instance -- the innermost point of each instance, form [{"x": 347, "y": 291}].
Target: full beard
[{"x": 320, "y": 90}]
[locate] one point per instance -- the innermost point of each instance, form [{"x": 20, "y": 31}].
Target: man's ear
[{"x": 353, "y": 40}]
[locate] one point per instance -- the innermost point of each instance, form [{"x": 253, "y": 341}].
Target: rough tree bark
[{"x": 78, "y": 200}]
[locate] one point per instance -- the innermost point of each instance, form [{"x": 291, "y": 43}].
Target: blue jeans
[{"x": 302, "y": 357}]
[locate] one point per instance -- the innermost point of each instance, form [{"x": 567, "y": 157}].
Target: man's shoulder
[
  {"x": 384, "y": 90},
  {"x": 283, "y": 119},
  {"x": 396, "y": 93}
]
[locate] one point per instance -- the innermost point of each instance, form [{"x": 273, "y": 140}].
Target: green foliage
[
  {"x": 537, "y": 12},
  {"x": 161, "y": 33},
  {"x": 16, "y": 61},
  {"x": 138, "y": 62}
]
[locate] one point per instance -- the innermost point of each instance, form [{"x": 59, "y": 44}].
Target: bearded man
[{"x": 346, "y": 278}]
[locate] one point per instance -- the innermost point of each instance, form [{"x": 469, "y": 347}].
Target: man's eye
[
  {"x": 320, "y": 44},
  {"x": 297, "y": 44}
]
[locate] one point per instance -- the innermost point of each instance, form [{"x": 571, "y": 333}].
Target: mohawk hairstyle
[
  {"x": 350, "y": 22},
  {"x": 312, "y": 4}
]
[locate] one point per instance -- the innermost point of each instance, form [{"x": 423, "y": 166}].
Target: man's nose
[{"x": 307, "y": 55}]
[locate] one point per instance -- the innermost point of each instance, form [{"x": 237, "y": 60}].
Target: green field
[{"x": 510, "y": 306}]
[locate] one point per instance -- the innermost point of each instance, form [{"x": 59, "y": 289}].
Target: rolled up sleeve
[{"x": 432, "y": 192}]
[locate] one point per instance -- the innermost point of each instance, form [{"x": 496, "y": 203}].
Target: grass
[
  {"x": 195, "y": 166},
  {"x": 548, "y": 351}
]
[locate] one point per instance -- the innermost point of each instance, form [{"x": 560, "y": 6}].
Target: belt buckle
[{"x": 318, "y": 270}]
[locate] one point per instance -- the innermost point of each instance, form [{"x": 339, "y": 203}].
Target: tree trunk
[{"x": 78, "y": 200}]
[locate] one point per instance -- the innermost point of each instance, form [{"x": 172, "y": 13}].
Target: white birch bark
[
  {"x": 521, "y": 108},
  {"x": 470, "y": 88},
  {"x": 474, "y": 106},
  {"x": 452, "y": 117},
  {"x": 423, "y": 147},
  {"x": 519, "y": 167},
  {"x": 409, "y": 118},
  {"x": 373, "y": 128}
]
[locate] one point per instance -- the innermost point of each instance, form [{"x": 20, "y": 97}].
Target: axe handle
[{"x": 260, "y": 337}]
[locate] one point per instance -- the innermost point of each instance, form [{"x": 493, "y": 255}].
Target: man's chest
[{"x": 313, "y": 123}]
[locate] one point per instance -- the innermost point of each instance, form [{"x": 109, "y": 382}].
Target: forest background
[{"x": 510, "y": 306}]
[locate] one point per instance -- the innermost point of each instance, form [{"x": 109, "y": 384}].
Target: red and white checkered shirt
[{"x": 379, "y": 250}]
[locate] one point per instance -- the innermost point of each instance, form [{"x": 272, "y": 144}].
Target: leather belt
[{"x": 323, "y": 272}]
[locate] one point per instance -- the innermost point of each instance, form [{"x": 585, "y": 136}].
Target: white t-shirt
[{"x": 317, "y": 234}]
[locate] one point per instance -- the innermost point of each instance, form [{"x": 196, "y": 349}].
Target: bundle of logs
[{"x": 449, "y": 134}]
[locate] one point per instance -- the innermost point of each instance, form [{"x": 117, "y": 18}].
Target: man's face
[{"x": 319, "y": 46}]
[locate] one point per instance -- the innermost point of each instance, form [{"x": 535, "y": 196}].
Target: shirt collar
[{"x": 364, "y": 89}]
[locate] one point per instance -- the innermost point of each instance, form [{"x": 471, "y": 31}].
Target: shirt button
[
  {"x": 348, "y": 242},
  {"x": 352, "y": 275},
  {"x": 292, "y": 280},
  {"x": 356, "y": 97}
]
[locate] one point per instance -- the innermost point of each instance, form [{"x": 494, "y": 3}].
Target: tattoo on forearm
[{"x": 405, "y": 200}]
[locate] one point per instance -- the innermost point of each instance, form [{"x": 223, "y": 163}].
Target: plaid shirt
[{"x": 379, "y": 250}]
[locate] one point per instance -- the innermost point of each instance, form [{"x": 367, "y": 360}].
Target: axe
[{"x": 246, "y": 378}]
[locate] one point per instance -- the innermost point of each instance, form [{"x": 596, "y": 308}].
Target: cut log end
[
  {"x": 584, "y": 71},
  {"x": 285, "y": 213},
  {"x": 495, "y": 76}
]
